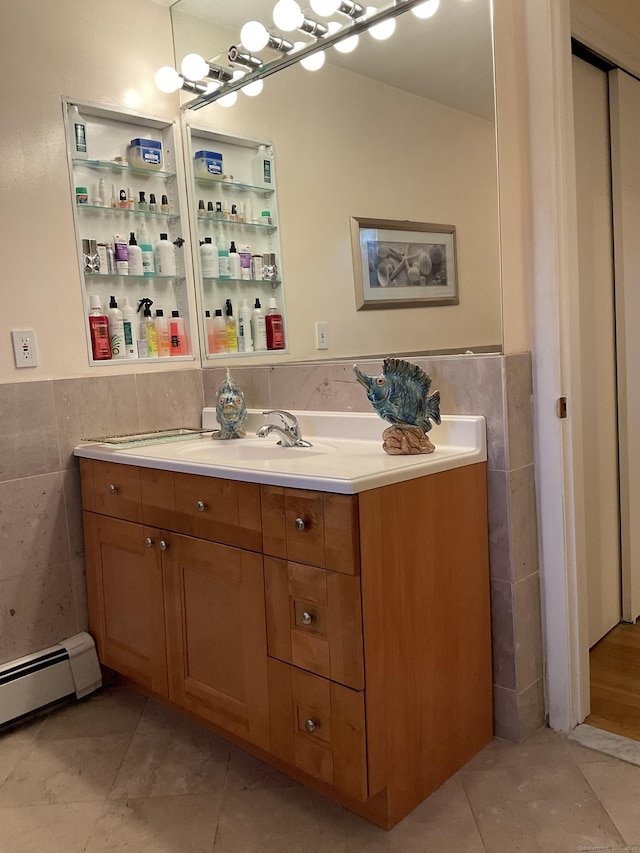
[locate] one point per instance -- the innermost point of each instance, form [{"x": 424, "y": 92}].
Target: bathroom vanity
[{"x": 328, "y": 613}]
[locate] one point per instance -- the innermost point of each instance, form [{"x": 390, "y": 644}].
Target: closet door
[
  {"x": 597, "y": 346},
  {"x": 625, "y": 161}
]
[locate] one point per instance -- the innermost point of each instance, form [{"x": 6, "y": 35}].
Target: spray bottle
[
  {"x": 147, "y": 341},
  {"x": 148, "y": 266},
  {"x": 116, "y": 330},
  {"x": 129, "y": 325}
]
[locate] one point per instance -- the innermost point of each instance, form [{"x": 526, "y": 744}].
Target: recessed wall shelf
[{"x": 112, "y": 166}]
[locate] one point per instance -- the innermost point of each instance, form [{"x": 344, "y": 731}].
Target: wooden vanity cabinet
[{"x": 343, "y": 638}]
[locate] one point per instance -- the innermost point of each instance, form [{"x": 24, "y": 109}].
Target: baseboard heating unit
[{"x": 28, "y": 683}]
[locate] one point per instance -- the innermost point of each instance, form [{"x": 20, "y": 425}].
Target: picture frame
[{"x": 402, "y": 264}]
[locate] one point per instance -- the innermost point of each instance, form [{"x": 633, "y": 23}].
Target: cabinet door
[
  {"x": 216, "y": 635},
  {"x": 126, "y": 610}
]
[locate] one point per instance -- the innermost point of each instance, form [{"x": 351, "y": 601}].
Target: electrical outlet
[
  {"x": 24, "y": 348},
  {"x": 322, "y": 336}
]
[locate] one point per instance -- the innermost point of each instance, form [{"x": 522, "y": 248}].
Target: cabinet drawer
[
  {"x": 311, "y": 527},
  {"x": 225, "y": 511},
  {"x": 116, "y": 489},
  {"x": 314, "y": 620},
  {"x": 319, "y": 727}
]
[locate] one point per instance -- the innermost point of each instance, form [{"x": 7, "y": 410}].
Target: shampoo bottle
[
  {"x": 209, "y": 259},
  {"x": 258, "y": 327},
  {"x": 177, "y": 335},
  {"x": 245, "y": 339},
  {"x": 263, "y": 168},
  {"x": 77, "y": 134},
  {"x": 147, "y": 341},
  {"x": 162, "y": 333},
  {"x": 129, "y": 326},
  {"x": 275, "y": 326},
  {"x": 135, "y": 256},
  {"x": 219, "y": 333},
  {"x": 165, "y": 257},
  {"x": 232, "y": 329},
  {"x": 116, "y": 330},
  {"x": 99, "y": 330},
  {"x": 146, "y": 249},
  {"x": 223, "y": 263}
]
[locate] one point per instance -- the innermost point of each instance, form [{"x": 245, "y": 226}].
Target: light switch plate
[
  {"x": 322, "y": 336},
  {"x": 24, "y": 348}
]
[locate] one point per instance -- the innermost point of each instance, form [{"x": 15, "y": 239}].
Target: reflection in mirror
[{"x": 401, "y": 129}]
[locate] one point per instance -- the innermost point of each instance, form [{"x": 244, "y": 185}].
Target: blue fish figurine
[
  {"x": 231, "y": 410},
  {"x": 400, "y": 394}
]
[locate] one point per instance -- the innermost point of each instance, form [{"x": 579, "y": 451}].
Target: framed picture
[{"x": 403, "y": 264}]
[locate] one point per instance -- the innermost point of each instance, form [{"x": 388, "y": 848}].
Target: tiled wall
[{"x": 42, "y": 588}]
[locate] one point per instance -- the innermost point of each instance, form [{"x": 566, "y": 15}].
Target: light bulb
[
  {"x": 383, "y": 30},
  {"x": 254, "y": 36},
  {"x": 313, "y": 62},
  {"x": 287, "y": 15},
  {"x": 228, "y": 100},
  {"x": 238, "y": 74},
  {"x": 426, "y": 10},
  {"x": 194, "y": 67},
  {"x": 325, "y": 8},
  {"x": 212, "y": 86},
  {"x": 167, "y": 79},
  {"x": 253, "y": 89},
  {"x": 346, "y": 45}
]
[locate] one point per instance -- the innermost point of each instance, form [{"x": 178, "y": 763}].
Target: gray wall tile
[
  {"x": 523, "y": 522},
  {"x": 503, "y": 635},
  {"x": 29, "y": 435},
  {"x": 528, "y": 620},
  {"x": 499, "y": 526},
  {"x": 531, "y": 714},
  {"x": 254, "y": 382},
  {"x": 169, "y": 399},
  {"x": 505, "y": 714},
  {"x": 519, "y": 393}
]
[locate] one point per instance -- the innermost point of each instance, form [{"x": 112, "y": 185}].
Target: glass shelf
[
  {"x": 239, "y": 186},
  {"x": 271, "y": 281},
  {"x": 96, "y": 276},
  {"x": 87, "y": 207},
  {"x": 232, "y": 222},
  {"x": 112, "y": 166}
]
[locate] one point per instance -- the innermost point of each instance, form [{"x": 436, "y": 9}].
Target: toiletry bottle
[
  {"x": 275, "y": 326},
  {"x": 248, "y": 211},
  {"x": 245, "y": 339},
  {"x": 234, "y": 261},
  {"x": 77, "y": 134},
  {"x": 210, "y": 211},
  {"x": 257, "y": 267},
  {"x": 232, "y": 329},
  {"x": 209, "y": 259},
  {"x": 209, "y": 329},
  {"x": 114, "y": 196},
  {"x": 165, "y": 257},
  {"x": 146, "y": 249},
  {"x": 116, "y": 330},
  {"x": 153, "y": 206},
  {"x": 102, "y": 193},
  {"x": 135, "y": 256},
  {"x": 220, "y": 343},
  {"x": 263, "y": 168},
  {"x": 233, "y": 216},
  {"x": 202, "y": 211},
  {"x": 142, "y": 203},
  {"x": 245, "y": 262},
  {"x": 258, "y": 327},
  {"x": 122, "y": 200},
  {"x": 121, "y": 251},
  {"x": 103, "y": 259},
  {"x": 177, "y": 335},
  {"x": 164, "y": 205},
  {"x": 218, "y": 210},
  {"x": 147, "y": 341},
  {"x": 162, "y": 333},
  {"x": 129, "y": 326},
  {"x": 131, "y": 202},
  {"x": 99, "y": 330},
  {"x": 223, "y": 263},
  {"x": 111, "y": 259},
  {"x": 226, "y": 213}
]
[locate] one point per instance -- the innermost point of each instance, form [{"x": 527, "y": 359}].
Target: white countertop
[{"x": 346, "y": 457}]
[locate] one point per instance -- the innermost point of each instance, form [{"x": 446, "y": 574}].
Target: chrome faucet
[{"x": 289, "y": 432}]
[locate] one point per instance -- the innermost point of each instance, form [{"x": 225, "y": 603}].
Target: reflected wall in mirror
[{"x": 402, "y": 129}]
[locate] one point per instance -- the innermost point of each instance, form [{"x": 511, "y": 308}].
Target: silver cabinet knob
[
  {"x": 201, "y": 506},
  {"x": 300, "y": 524},
  {"x": 306, "y": 618},
  {"x": 113, "y": 489},
  {"x": 148, "y": 542},
  {"x": 310, "y": 726},
  {"x": 163, "y": 545}
]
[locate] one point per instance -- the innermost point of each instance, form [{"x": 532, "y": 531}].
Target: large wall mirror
[{"x": 402, "y": 129}]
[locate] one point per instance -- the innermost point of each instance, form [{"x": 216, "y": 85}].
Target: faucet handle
[{"x": 290, "y": 421}]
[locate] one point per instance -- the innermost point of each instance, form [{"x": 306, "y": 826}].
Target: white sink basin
[{"x": 346, "y": 456}]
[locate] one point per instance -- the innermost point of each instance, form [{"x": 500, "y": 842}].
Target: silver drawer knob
[
  {"x": 306, "y": 618},
  {"x": 201, "y": 506},
  {"x": 163, "y": 545},
  {"x": 148, "y": 542},
  {"x": 310, "y": 726},
  {"x": 300, "y": 524},
  {"x": 113, "y": 489}
]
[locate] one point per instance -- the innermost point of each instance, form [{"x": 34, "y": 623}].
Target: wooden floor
[{"x": 615, "y": 682}]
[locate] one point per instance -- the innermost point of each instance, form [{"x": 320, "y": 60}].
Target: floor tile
[
  {"x": 109, "y": 712},
  {"x": 49, "y": 828},
  {"x": 179, "y": 824},
  {"x": 617, "y": 784},
  {"x": 443, "y": 822},
  {"x": 280, "y": 820},
  {"x": 65, "y": 771},
  {"x": 247, "y": 773}
]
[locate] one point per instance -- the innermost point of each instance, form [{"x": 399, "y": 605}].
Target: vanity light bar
[{"x": 260, "y": 71}]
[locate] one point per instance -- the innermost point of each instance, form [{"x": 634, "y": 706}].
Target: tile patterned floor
[{"x": 116, "y": 772}]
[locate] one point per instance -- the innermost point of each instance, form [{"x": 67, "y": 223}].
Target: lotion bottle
[
  {"x": 129, "y": 325},
  {"x": 99, "y": 330},
  {"x": 245, "y": 339},
  {"x": 275, "y": 326},
  {"x": 77, "y": 134},
  {"x": 209, "y": 259},
  {"x": 223, "y": 263},
  {"x": 146, "y": 250},
  {"x": 177, "y": 335},
  {"x": 258, "y": 327},
  {"x": 232, "y": 329},
  {"x": 162, "y": 333},
  {"x": 135, "y": 256},
  {"x": 263, "y": 168},
  {"x": 116, "y": 330},
  {"x": 234, "y": 261},
  {"x": 220, "y": 343},
  {"x": 165, "y": 257}
]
